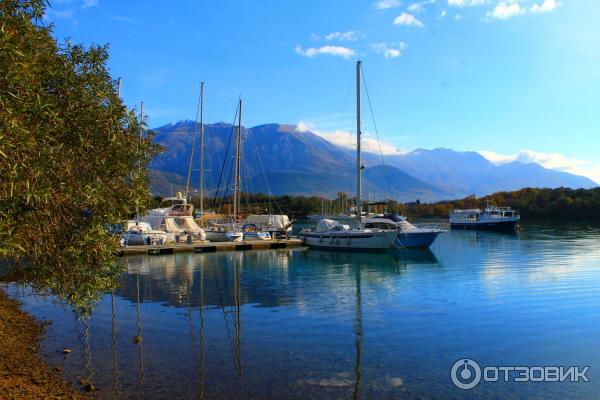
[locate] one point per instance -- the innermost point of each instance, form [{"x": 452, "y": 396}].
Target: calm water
[{"x": 319, "y": 325}]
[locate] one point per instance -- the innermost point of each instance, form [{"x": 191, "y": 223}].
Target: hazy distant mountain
[{"x": 279, "y": 159}]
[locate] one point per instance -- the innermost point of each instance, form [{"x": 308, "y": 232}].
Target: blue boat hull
[
  {"x": 416, "y": 240},
  {"x": 487, "y": 226}
]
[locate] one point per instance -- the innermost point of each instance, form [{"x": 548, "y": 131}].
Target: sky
[{"x": 512, "y": 79}]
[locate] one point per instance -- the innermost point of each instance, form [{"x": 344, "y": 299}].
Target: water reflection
[
  {"x": 315, "y": 324},
  {"x": 230, "y": 280}
]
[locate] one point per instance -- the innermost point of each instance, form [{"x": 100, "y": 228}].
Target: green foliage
[
  {"x": 71, "y": 158},
  {"x": 532, "y": 203}
]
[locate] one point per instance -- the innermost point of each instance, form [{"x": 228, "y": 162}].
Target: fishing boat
[
  {"x": 334, "y": 235},
  {"x": 491, "y": 218}
]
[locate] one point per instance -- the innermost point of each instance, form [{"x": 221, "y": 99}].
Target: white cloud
[
  {"x": 546, "y": 6},
  {"x": 554, "y": 161},
  {"x": 65, "y": 14},
  {"x": 347, "y": 139},
  {"x": 419, "y": 6},
  {"x": 458, "y": 17},
  {"x": 351, "y": 36},
  {"x": 506, "y": 10},
  {"x": 415, "y": 7},
  {"x": 304, "y": 126},
  {"x": 89, "y": 3},
  {"x": 443, "y": 14},
  {"x": 121, "y": 18},
  {"x": 408, "y": 20},
  {"x": 338, "y": 51},
  {"x": 387, "y": 4},
  {"x": 389, "y": 50},
  {"x": 466, "y": 3}
]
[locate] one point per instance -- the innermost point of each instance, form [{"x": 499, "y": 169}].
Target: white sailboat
[
  {"x": 333, "y": 235},
  {"x": 216, "y": 232}
]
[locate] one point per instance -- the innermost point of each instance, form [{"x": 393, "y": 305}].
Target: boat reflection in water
[
  {"x": 231, "y": 299},
  {"x": 219, "y": 325},
  {"x": 297, "y": 324}
]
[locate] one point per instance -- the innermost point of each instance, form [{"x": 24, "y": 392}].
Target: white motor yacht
[
  {"x": 138, "y": 233},
  {"x": 491, "y": 218}
]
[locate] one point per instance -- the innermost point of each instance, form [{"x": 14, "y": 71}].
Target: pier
[{"x": 208, "y": 247}]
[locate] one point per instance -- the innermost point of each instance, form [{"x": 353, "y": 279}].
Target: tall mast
[
  {"x": 358, "y": 163},
  {"x": 189, "y": 174},
  {"x": 119, "y": 88},
  {"x": 236, "y": 189},
  {"x": 202, "y": 148}
]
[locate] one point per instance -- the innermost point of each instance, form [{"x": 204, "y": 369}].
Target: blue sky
[{"x": 515, "y": 79}]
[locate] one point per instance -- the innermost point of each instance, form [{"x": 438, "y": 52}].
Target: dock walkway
[{"x": 208, "y": 247}]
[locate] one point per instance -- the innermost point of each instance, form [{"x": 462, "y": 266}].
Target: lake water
[{"x": 298, "y": 324}]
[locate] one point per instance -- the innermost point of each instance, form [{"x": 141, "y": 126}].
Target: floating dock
[{"x": 208, "y": 247}]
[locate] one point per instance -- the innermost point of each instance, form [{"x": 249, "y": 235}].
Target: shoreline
[{"x": 24, "y": 373}]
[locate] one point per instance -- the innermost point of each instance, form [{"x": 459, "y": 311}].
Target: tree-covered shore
[{"x": 532, "y": 203}]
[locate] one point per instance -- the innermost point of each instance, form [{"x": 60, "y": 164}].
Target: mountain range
[{"x": 282, "y": 160}]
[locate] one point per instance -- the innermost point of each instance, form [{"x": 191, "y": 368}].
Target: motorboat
[
  {"x": 222, "y": 231},
  {"x": 252, "y": 232},
  {"x": 491, "y": 218},
  {"x": 139, "y": 233},
  {"x": 175, "y": 215}
]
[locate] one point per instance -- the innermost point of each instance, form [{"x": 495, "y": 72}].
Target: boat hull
[
  {"x": 416, "y": 240},
  {"x": 348, "y": 241},
  {"x": 223, "y": 236},
  {"x": 486, "y": 226}
]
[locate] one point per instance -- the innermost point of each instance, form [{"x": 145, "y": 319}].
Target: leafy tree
[{"x": 72, "y": 158}]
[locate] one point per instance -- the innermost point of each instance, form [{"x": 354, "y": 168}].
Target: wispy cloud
[
  {"x": 408, "y": 20},
  {"x": 443, "y": 14},
  {"x": 89, "y": 3},
  {"x": 63, "y": 14},
  {"x": 121, "y": 18},
  {"x": 458, "y": 17},
  {"x": 350, "y": 36},
  {"x": 419, "y": 7},
  {"x": 546, "y": 6},
  {"x": 389, "y": 50},
  {"x": 386, "y": 4},
  {"x": 339, "y": 51},
  {"x": 555, "y": 161},
  {"x": 466, "y": 3}
]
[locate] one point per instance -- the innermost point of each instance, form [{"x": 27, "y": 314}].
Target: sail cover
[{"x": 271, "y": 221}]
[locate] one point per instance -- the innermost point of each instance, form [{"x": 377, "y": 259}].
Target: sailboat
[
  {"x": 334, "y": 235},
  {"x": 222, "y": 232}
]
